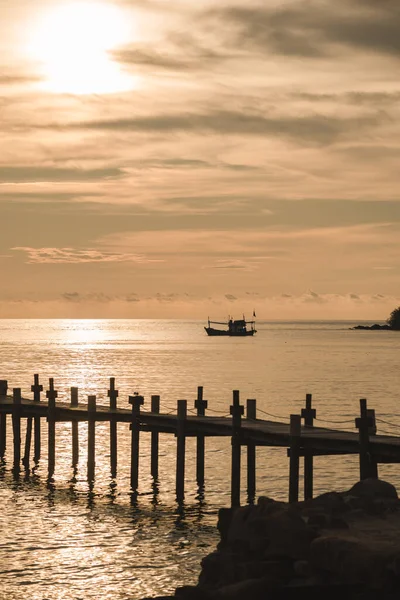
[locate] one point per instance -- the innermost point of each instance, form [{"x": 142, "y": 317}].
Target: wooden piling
[
  {"x": 308, "y": 414},
  {"x": 236, "y": 410},
  {"x": 294, "y": 453},
  {"x": 91, "y": 438},
  {"x": 368, "y": 464},
  {"x": 155, "y": 408},
  {"x": 136, "y": 402},
  {"x": 251, "y": 410},
  {"x": 3, "y": 420},
  {"x": 36, "y": 388},
  {"x": 180, "y": 451},
  {"x": 372, "y": 431},
  {"x": 16, "y": 422},
  {"x": 75, "y": 428},
  {"x": 28, "y": 440},
  {"x": 51, "y": 396},
  {"x": 113, "y": 395},
  {"x": 200, "y": 404}
]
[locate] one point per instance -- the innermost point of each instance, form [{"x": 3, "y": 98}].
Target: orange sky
[{"x": 177, "y": 159}]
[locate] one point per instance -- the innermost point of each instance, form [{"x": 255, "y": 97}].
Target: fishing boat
[{"x": 234, "y": 328}]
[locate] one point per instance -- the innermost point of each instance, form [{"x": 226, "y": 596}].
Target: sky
[{"x": 182, "y": 159}]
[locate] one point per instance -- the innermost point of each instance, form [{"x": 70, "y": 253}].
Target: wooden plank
[
  {"x": 136, "y": 402},
  {"x": 28, "y": 441},
  {"x": 16, "y": 422},
  {"x": 3, "y": 420},
  {"x": 75, "y": 427},
  {"x": 180, "y": 451},
  {"x": 91, "y": 460},
  {"x": 51, "y": 396},
  {"x": 295, "y": 432},
  {"x": 308, "y": 414},
  {"x": 155, "y": 409},
  {"x": 251, "y": 414},
  {"x": 236, "y": 410},
  {"x": 37, "y": 389},
  {"x": 113, "y": 395},
  {"x": 201, "y": 406}
]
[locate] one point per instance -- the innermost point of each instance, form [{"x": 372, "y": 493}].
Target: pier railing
[{"x": 301, "y": 437}]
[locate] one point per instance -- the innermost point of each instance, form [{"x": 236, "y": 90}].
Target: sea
[{"x": 64, "y": 539}]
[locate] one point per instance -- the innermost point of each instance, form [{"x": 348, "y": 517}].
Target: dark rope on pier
[
  {"x": 387, "y": 423},
  {"x": 219, "y": 412},
  {"x": 389, "y": 433},
  {"x": 273, "y": 416}
]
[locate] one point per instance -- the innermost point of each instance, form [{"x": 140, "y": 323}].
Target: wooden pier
[{"x": 302, "y": 439}]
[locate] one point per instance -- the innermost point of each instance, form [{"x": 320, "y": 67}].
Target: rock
[
  {"x": 334, "y": 543},
  {"x": 218, "y": 568},
  {"x": 374, "y": 327},
  {"x": 302, "y": 568},
  {"x": 332, "y": 501},
  {"x": 224, "y": 522},
  {"x": 373, "y": 488},
  {"x": 351, "y": 560},
  {"x": 191, "y": 592}
]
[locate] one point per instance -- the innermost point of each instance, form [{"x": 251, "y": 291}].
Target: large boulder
[
  {"x": 373, "y": 488},
  {"x": 336, "y": 541}
]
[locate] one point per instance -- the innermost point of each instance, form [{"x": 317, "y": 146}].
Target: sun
[{"x": 73, "y": 44}]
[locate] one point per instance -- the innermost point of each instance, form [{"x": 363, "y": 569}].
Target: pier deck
[{"x": 301, "y": 439}]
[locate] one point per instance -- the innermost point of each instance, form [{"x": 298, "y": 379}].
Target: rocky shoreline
[
  {"x": 337, "y": 545},
  {"x": 374, "y": 327}
]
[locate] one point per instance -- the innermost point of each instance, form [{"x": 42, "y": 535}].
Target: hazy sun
[{"x": 73, "y": 43}]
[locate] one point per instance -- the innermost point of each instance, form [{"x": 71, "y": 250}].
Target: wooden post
[
  {"x": 251, "y": 410},
  {"x": 155, "y": 408},
  {"x": 294, "y": 452},
  {"x": 236, "y": 410},
  {"x": 16, "y": 421},
  {"x": 75, "y": 428},
  {"x": 201, "y": 406},
  {"x": 51, "y": 396},
  {"x": 91, "y": 438},
  {"x": 3, "y": 420},
  {"x": 368, "y": 466},
  {"x": 136, "y": 402},
  {"x": 372, "y": 427},
  {"x": 180, "y": 451},
  {"x": 36, "y": 388},
  {"x": 28, "y": 440},
  {"x": 308, "y": 414},
  {"x": 113, "y": 395},
  {"x": 372, "y": 431}
]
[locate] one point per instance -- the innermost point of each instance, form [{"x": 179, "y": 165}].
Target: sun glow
[{"x": 73, "y": 44}]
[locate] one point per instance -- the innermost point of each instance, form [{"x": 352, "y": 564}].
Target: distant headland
[{"x": 392, "y": 323}]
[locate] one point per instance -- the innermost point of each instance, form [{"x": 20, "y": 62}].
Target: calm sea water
[{"x": 64, "y": 540}]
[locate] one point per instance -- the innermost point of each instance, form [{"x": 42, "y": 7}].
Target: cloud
[
  {"x": 313, "y": 297},
  {"x": 26, "y": 174},
  {"x": 314, "y": 128},
  {"x": 313, "y": 29},
  {"x": 180, "y": 53},
  {"x": 15, "y": 79},
  {"x": 232, "y": 264},
  {"x": 284, "y": 306},
  {"x": 70, "y": 255},
  {"x": 93, "y": 297}
]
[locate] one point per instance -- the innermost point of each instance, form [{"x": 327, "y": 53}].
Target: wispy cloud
[
  {"x": 314, "y": 128},
  {"x": 27, "y": 173},
  {"x": 314, "y": 29},
  {"x": 71, "y": 255}
]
